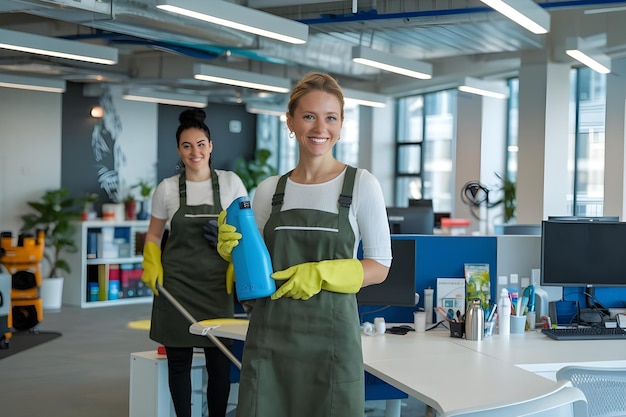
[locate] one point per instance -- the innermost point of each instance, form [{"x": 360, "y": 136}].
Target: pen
[
  {"x": 522, "y": 307},
  {"x": 531, "y": 297},
  {"x": 443, "y": 312},
  {"x": 492, "y": 313}
]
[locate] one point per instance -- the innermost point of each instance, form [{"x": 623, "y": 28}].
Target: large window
[
  {"x": 424, "y": 149},
  {"x": 588, "y": 104},
  {"x": 585, "y": 141}
]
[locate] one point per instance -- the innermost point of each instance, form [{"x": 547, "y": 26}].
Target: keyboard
[{"x": 585, "y": 333}]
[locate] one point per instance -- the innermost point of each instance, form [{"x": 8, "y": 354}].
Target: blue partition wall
[{"x": 438, "y": 257}]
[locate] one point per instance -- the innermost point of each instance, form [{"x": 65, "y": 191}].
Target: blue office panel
[{"x": 438, "y": 256}]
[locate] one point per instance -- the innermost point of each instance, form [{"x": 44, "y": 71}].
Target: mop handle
[{"x": 192, "y": 320}]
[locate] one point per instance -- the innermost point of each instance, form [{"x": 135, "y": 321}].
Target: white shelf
[
  {"x": 99, "y": 261},
  {"x": 84, "y": 270}
]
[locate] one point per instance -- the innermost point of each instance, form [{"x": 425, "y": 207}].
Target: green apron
[
  {"x": 303, "y": 358},
  {"x": 193, "y": 272}
]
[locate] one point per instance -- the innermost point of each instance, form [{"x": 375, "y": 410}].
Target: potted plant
[
  {"x": 130, "y": 207},
  {"x": 145, "y": 191},
  {"x": 255, "y": 171},
  {"x": 54, "y": 214},
  {"x": 508, "y": 198}
]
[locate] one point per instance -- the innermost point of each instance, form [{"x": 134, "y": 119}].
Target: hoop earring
[{"x": 292, "y": 135}]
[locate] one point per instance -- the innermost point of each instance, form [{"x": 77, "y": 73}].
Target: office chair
[
  {"x": 605, "y": 388},
  {"x": 565, "y": 400}
]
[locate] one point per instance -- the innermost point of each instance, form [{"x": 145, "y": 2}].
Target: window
[
  {"x": 424, "y": 149},
  {"x": 587, "y": 128}
]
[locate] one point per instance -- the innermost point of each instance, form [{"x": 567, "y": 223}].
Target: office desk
[
  {"x": 539, "y": 354},
  {"x": 455, "y": 375}
]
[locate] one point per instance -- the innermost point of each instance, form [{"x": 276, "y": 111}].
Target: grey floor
[{"x": 85, "y": 372}]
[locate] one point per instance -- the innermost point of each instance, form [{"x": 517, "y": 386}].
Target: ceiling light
[
  {"x": 597, "y": 61},
  {"x": 264, "y": 108},
  {"x": 525, "y": 13},
  {"x": 391, "y": 63},
  {"x": 494, "y": 89},
  {"x": 175, "y": 99},
  {"x": 363, "y": 98},
  {"x": 60, "y": 48},
  {"x": 223, "y": 75},
  {"x": 32, "y": 83},
  {"x": 239, "y": 17}
]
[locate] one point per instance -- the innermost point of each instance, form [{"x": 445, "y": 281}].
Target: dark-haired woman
[{"x": 189, "y": 268}]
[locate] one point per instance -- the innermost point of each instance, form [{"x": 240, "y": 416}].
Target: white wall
[
  {"x": 30, "y": 150},
  {"x": 30, "y": 147}
]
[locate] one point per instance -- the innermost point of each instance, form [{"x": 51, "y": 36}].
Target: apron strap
[
  {"x": 279, "y": 194},
  {"x": 345, "y": 200},
  {"x": 182, "y": 189},
  {"x": 217, "y": 202}
]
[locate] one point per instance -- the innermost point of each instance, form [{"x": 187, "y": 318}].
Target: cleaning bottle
[
  {"x": 251, "y": 259},
  {"x": 504, "y": 313}
]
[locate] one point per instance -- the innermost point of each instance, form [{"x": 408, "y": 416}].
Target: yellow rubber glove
[
  {"x": 227, "y": 237},
  {"x": 230, "y": 278},
  {"x": 307, "y": 279},
  {"x": 152, "y": 267}
]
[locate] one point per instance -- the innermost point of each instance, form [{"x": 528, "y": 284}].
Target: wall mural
[{"x": 106, "y": 150}]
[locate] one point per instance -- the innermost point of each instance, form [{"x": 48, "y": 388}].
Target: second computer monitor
[{"x": 418, "y": 220}]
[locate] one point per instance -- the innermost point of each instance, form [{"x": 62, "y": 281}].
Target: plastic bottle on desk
[
  {"x": 251, "y": 259},
  {"x": 504, "y": 313}
]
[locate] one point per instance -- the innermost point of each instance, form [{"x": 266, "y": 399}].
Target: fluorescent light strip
[
  {"x": 174, "y": 99},
  {"x": 32, "y": 83},
  {"x": 60, "y": 48},
  {"x": 525, "y": 13},
  {"x": 583, "y": 58},
  {"x": 481, "y": 92},
  {"x": 485, "y": 88},
  {"x": 391, "y": 63},
  {"x": 273, "y": 110},
  {"x": 364, "y": 98},
  {"x": 239, "y": 17},
  {"x": 223, "y": 75}
]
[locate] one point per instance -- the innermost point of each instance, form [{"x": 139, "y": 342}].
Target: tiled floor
[{"x": 85, "y": 372}]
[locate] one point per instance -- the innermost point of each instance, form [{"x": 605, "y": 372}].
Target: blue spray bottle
[{"x": 251, "y": 259}]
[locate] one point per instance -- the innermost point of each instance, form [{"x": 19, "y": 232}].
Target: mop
[{"x": 205, "y": 330}]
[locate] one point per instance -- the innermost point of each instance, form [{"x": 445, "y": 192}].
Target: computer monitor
[
  {"x": 399, "y": 287},
  {"x": 414, "y": 202},
  {"x": 583, "y": 218},
  {"x": 418, "y": 220},
  {"x": 583, "y": 253}
]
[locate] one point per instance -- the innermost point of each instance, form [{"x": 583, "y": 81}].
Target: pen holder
[
  {"x": 518, "y": 323},
  {"x": 489, "y": 327},
  {"x": 457, "y": 329}
]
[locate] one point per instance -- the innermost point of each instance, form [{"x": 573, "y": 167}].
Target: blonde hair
[{"x": 315, "y": 81}]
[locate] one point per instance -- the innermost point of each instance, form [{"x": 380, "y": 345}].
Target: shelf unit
[{"x": 106, "y": 269}]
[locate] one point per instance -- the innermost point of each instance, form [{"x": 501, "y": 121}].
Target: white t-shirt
[
  {"x": 368, "y": 213},
  {"x": 166, "y": 200}
]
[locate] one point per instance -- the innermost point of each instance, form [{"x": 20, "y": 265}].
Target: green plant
[
  {"x": 255, "y": 171},
  {"x": 508, "y": 198},
  {"x": 54, "y": 214},
  {"x": 145, "y": 189}
]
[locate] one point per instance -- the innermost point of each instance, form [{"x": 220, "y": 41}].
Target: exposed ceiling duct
[{"x": 451, "y": 37}]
